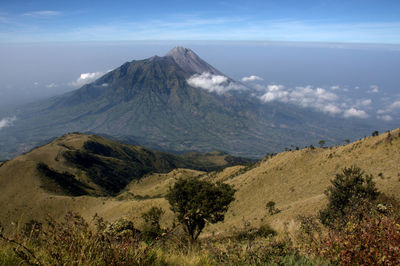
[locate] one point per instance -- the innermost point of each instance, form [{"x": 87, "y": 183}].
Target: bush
[
  {"x": 271, "y": 208},
  {"x": 375, "y": 240},
  {"x": 247, "y": 233},
  {"x": 120, "y": 229},
  {"x": 152, "y": 229},
  {"x": 72, "y": 242},
  {"x": 350, "y": 191}
]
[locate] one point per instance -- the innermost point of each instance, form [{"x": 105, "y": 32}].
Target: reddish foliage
[{"x": 370, "y": 241}]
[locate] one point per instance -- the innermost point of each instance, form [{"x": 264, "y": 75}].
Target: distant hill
[
  {"x": 78, "y": 164},
  {"x": 46, "y": 180},
  {"x": 151, "y": 103}
]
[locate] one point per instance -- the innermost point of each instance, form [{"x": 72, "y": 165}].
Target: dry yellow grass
[{"x": 295, "y": 180}]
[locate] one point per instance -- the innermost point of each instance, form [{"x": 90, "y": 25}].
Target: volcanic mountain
[{"x": 164, "y": 103}]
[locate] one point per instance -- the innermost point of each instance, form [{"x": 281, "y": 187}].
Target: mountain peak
[
  {"x": 180, "y": 51},
  {"x": 190, "y": 61}
]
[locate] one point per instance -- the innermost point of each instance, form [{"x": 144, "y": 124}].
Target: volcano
[{"x": 177, "y": 102}]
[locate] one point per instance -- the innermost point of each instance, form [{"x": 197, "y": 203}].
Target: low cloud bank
[
  {"x": 6, "y": 122},
  {"x": 323, "y": 100},
  {"x": 318, "y": 98},
  {"x": 384, "y": 114}
]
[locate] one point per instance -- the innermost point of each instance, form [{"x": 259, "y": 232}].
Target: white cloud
[
  {"x": 51, "y": 85},
  {"x": 213, "y": 83},
  {"x": 6, "y": 122},
  {"x": 320, "y": 99},
  {"x": 331, "y": 108},
  {"x": 275, "y": 92},
  {"x": 334, "y": 88},
  {"x": 380, "y": 111},
  {"x": 277, "y": 95},
  {"x": 353, "y": 112},
  {"x": 275, "y": 87},
  {"x": 385, "y": 117},
  {"x": 86, "y": 78},
  {"x": 364, "y": 102},
  {"x": 374, "y": 89},
  {"x": 395, "y": 105},
  {"x": 251, "y": 78},
  {"x": 390, "y": 108}
]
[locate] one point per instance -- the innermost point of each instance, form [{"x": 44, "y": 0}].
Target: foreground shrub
[
  {"x": 121, "y": 229},
  {"x": 72, "y": 242},
  {"x": 373, "y": 240},
  {"x": 264, "y": 231},
  {"x": 152, "y": 229},
  {"x": 265, "y": 252},
  {"x": 349, "y": 188}
]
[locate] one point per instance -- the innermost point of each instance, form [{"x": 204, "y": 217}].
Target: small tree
[
  {"x": 152, "y": 228},
  {"x": 349, "y": 188},
  {"x": 197, "y": 202},
  {"x": 321, "y": 143},
  {"x": 271, "y": 208}
]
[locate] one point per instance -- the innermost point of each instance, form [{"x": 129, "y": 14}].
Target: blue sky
[{"x": 364, "y": 21}]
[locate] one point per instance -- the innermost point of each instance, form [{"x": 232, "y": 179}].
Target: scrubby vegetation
[
  {"x": 363, "y": 229},
  {"x": 358, "y": 226},
  {"x": 75, "y": 242},
  {"x": 375, "y": 239}
]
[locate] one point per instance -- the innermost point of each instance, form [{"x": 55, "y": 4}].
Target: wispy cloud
[
  {"x": 251, "y": 78},
  {"x": 365, "y": 102},
  {"x": 42, "y": 14},
  {"x": 374, "y": 89},
  {"x": 385, "y": 117},
  {"x": 197, "y": 27},
  {"x": 51, "y": 85},
  {"x": 6, "y": 122}
]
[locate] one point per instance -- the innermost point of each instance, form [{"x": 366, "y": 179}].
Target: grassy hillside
[{"x": 295, "y": 180}]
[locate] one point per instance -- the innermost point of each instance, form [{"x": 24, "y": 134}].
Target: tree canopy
[
  {"x": 199, "y": 202},
  {"x": 349, "y": 188}
]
